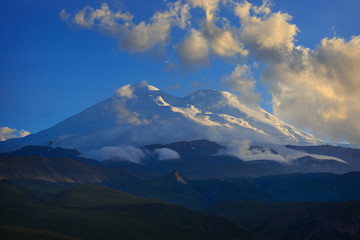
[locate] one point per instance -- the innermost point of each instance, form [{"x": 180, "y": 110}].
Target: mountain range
[
  {"x": 141, "y": 114},
  {"x": 205, "y": 166}
]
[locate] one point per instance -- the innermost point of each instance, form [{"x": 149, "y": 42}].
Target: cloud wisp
[{"x": 116, "y": 153}]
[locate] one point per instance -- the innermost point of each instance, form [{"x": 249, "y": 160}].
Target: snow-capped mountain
[{"x": 142, "y": 114}]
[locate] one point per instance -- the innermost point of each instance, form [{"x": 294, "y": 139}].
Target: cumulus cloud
[
  {"x": 318, "y": 89},
  {"x": 8, "y": 133},
  {"x": 244, "y": 151},
  {"x": 166, "y": 154},
  {"x": 265, "y": 32},
  {"x": 261, "y": 29},
  {"x": 241, "y": 81},
  {"x": 221, "y": 41},
  {"x": 194, "y": 49},
  {"x": 132, "y": 37},
  {"x": 116, "y": 153}
]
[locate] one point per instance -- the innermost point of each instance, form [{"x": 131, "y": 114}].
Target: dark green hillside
[
  {"x": 216, "y": 167},
  {"x": 105, "y": 199},
  {"x": 86, "y": 212},
  {"x": 50, "y": 152},
  {"x": 93, "y": 196},
  {"x": 39, "y": 173},
  {"x": 44, "y": 178},
  {"x": 224, "y": 190},
  {"x": 15, "y": 233},
  {"x": 50, "y": 169},
  {"x": 43, "y": 191},
  {"x": 174, "y": 189},
  {"x": 296, "y": 221},
  {"x": 312, "y": 187}
]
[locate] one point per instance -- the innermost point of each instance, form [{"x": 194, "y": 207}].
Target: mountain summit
[{"x": 142, "y": 114}]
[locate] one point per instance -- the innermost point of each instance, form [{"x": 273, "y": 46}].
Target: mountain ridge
[{"x": 141, "y": 114}]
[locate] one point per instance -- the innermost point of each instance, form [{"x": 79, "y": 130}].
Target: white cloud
[
  {"x": 241, "y": 81},
  {"x": 166, "y": 154},
  {"x": 125, "y": 91},
  {"x": 8, "y": 133},
  {"x": 318, "y": 89},
  {"x": 263, "y": 31},
  {"x": 243, "y": 151},
  {"x": 222, "y": 41},
  {"x": 115, "y": 153},
  {"x": 133, "y": 37},
  {"x": 103, "y": 17},
  {"x": 210, "y": 39},
  {"x": 194, "y": 49}
]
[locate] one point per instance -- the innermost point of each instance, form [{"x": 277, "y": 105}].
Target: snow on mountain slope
[{"x": 142, "y": 114}]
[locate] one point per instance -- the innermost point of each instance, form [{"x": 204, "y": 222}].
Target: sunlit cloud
[
  {"x": 132, "y": 37},
  {"x": 214, "y": 37},
  {"x": 125, "y": 91},
  {"x": 265, "y": 33},
  {"x": 194, "y": 50},
  {"x": 241, "y": 82},
  {"x": 8, "y": 133},
  {"x": 318, "y": 89}
]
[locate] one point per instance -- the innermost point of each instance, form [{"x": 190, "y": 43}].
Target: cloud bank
[
  {"x": 116, "y": 153},
  {"x": 8, "y": 133},
  {"x": 313, "y": 89},
  {"x": 166, "y": 154},
  {"x": 244, "y": 151}
]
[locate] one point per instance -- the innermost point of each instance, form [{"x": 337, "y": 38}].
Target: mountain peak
[
  {"x": 141, "y": 114},
  {"x": 129, "y": 91}
]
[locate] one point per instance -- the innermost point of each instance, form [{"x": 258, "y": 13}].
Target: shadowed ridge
[
  {"x": 91, "y": 196},
  {"x": 179, "y": 179}
]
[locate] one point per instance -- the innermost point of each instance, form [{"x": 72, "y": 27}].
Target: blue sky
[{"x": 53, "y": 67}]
